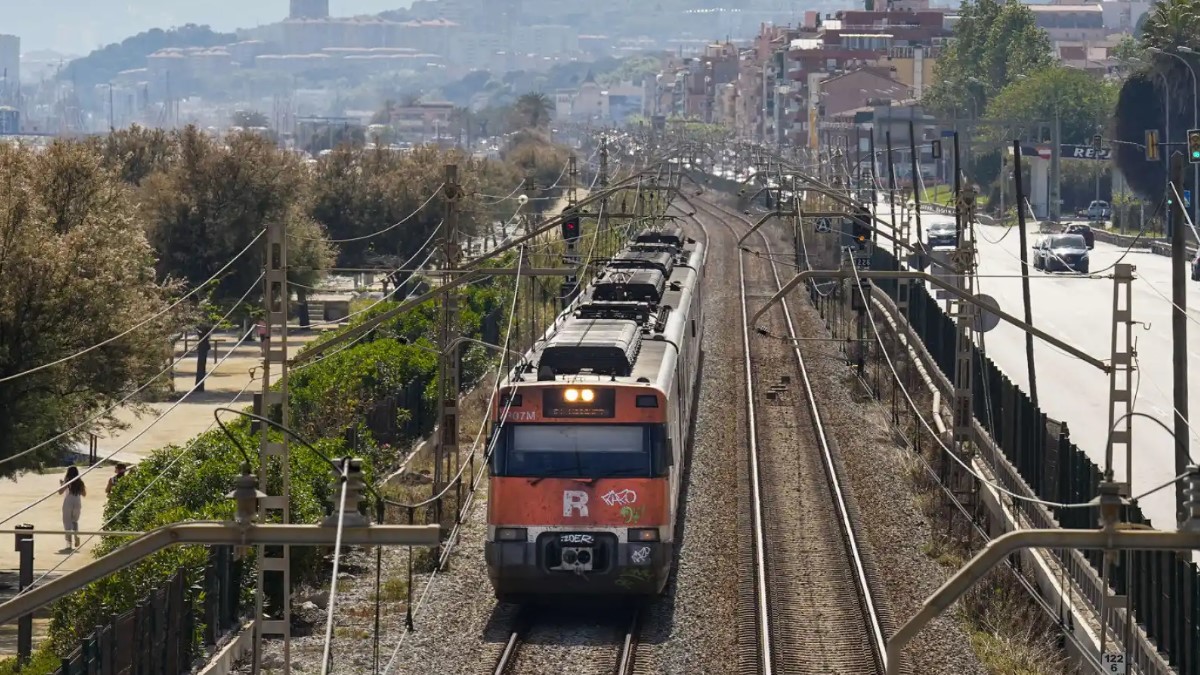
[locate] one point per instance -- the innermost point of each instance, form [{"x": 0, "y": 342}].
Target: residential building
[
  {"x": 421, "y": 121},
  {"x": 10, "y": 69},
  {"x": 853, "y": 89},
  {"x": 309, "y": 9}
]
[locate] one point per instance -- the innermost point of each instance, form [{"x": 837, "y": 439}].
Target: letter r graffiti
[{"x": 575, "y": 500}]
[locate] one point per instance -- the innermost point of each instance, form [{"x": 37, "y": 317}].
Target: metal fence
[
  {"x": 1163, "y": 587},
  {"x": 158, "y": 636}
]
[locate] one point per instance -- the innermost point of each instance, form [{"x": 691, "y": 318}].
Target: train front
[{"x": 581, "y": 491}]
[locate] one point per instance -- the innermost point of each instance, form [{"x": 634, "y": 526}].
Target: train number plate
[{"x": 577, "y": 539}]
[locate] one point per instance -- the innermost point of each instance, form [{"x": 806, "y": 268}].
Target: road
[{"x": 1078, "y": 310}]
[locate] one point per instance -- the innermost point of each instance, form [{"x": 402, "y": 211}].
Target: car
[
  {"x": 942, "y": 234},
  {"x": 1065, "y": 252},
  {"x": 1099, "y": 210},
  {"x": 1081, "y": 229}
]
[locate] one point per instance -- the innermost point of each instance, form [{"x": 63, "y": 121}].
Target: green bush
[{"x": 176, "y": 484}]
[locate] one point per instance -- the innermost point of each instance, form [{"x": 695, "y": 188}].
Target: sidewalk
[{"x": 131, "y": 445}]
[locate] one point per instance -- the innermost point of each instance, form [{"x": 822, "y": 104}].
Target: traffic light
[
  {"x": 1194, "y": 146},
  {"x": 570, "y": 226},
  {"x": 861, "y": 227},
  {"x": 1096, "y": 141},
  {"x": 935, "y": 149}
]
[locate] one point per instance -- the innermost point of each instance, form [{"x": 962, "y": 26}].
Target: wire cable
[
  {"x": 158, "y": 314},
  {"x": 502, "y": 419},
  {"x": 385, "y": 230},
  {"x": 141, "y": 433},
  {"x": 137, "y": 498},
  {"x": 949, "y": 452},
  {"x": 171, "y": 367}
]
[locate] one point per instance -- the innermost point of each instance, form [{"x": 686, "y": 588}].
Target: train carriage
[{"x": 591, "y": 432}]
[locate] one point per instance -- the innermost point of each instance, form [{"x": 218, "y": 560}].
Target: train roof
[{"x": 625, "y": 327}]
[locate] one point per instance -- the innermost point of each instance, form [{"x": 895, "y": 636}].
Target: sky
[{"x": 79, "y": 26}]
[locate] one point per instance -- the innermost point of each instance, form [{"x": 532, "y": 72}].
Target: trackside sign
[{"x": 1085, "y": 152}]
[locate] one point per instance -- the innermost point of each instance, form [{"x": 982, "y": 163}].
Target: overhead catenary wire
[
  {"x": 141, "y": 433},
  {"x": 385, "y": 230},
  {"x": 141, "y": 323},
  {"x": 950, "y": 453},
  {"x": 100, "y": 415},
  {"x": 502, "y": 419}
]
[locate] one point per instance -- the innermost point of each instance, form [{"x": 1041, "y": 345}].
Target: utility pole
[
  {"x": 1025, "y": 296},
  {"x": 963, "y": 262},
  {"x": 274, "y": 561},
  {"x": 1120, "y": 377},
  {"x": 958, "y": 221},
  {"x": 874, "y": 184},
  {"x": 1053, "y": 209},
  {"x": 570, "y": 286},
  {"x": 602, "y": 181},
  {"x": 448, "y": 362},
  {"x": 1179, "y": 277},
  {"x": 916, "y": 175}
]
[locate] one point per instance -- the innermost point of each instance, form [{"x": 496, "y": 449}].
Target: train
[{"x": 591, "y": 430}]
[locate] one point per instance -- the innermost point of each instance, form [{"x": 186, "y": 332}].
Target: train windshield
[{"x": 581, "y": 450}]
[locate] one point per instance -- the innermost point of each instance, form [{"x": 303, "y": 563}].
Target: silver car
[{"x": 1062, "y": 252}]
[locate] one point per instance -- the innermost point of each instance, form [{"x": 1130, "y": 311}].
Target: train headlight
[
  {"x": 571, "y": 395},
  {"x": 643, "y": 534},
  {"x": 587, "y": 395},
  {"x": 511, "y": 534}
]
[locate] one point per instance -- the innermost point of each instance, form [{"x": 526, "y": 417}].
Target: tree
[
  {"x": 75, "y": 270},
  {"x": 137, "y": 152},
  {"x": 1081, "y": 101},
  {"x": 1142, "y": 103},
  {"x": 533, "y": 110},
  {"x": 212, "y": 203},
  {"x": 993, "y": 44},
  {"x": 359, "y": 192}
]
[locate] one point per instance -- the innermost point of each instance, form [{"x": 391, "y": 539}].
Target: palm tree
[{"x": 534, "y": 109}]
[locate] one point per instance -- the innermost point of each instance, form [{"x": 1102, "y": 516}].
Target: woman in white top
[{"x": 73, "y": 492}]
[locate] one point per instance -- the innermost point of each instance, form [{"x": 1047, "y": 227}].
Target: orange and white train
[{"x": 591, "y": 432}]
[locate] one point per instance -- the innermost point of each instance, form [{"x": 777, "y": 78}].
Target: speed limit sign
[{"x": 1113, "y": 664}]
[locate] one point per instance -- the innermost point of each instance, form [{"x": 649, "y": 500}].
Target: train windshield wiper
[{"x": 555, "y": 473}]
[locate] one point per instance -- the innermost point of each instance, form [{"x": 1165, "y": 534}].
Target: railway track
[
  {"x": 810, "y": 607},
  {"x": 516, "y": 656}
]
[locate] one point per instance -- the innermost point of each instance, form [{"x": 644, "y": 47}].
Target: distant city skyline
[{"x": 80, "y": 26}]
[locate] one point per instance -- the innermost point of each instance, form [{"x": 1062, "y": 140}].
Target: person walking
[
  {"x": 73, "y": 491},
  {"x": 116, "y": 477}
]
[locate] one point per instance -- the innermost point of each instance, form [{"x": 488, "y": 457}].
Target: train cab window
[
  {"x": 664, "y": 453},
  {"x": 577, "y": 450}
]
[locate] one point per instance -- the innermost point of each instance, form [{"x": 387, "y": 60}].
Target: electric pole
[
  {"x": 1025, "y": 295},
  {"x": 448, "y": 362},
  {"x": 274, "y": 560},
  {"x": 1179, "y": 277}
]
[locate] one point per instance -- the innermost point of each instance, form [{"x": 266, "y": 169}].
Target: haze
[{"x": 79, "y": 26}]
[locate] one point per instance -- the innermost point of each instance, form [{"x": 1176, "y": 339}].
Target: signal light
[
  {"x": 570, "y": 227},
  {"x": 1194, "y": 146}
]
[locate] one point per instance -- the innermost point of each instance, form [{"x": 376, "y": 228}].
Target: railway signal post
[
  {"x": 274, "y": 562},
  {"x": 963, "y": 264}
]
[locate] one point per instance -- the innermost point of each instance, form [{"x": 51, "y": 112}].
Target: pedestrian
[
  {"x": 116, "y": 477},
  {"x": 73, "y": 492}
]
